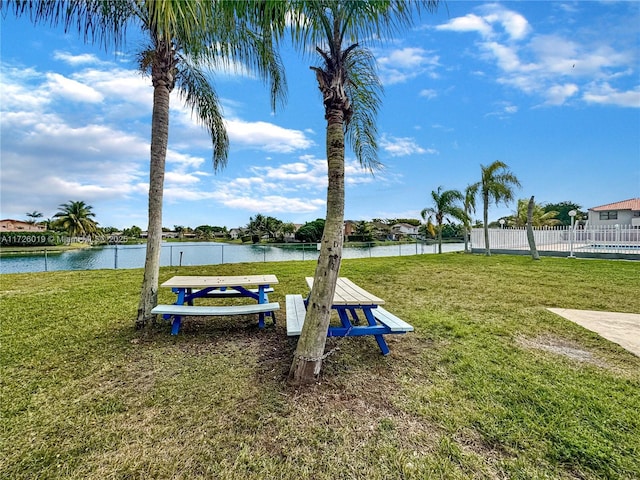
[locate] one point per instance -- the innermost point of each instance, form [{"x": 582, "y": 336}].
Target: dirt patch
[{"x": 562, "y": 347}]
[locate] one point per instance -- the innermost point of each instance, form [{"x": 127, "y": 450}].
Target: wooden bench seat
[
  {"x": 395, "y": 324},
  {"x": 296, "y": 311},
  {"x": 178, "y": 311}
]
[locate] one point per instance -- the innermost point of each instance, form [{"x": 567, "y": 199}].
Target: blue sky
[{"x": 550, "y": 88}]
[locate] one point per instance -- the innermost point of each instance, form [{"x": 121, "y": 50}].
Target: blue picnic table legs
[
  {"x": 186, "y": 295},
  {"x": 175, "y": 324},
  {"x": 349, "y": 316},
  {"x": 261, "y": 297}
]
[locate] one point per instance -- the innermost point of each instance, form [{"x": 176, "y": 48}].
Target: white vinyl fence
[{"x": 580, "y": 241}]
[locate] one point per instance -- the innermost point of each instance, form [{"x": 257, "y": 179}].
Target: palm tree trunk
[
  {"x": 440, "y": 238},
  {"x": 466, "y": 239},
  {"x": 159, "y": 140},
  {"x": 530, "y": 237},
  {"x": 485, "y": 199},
  {"x": 307, "y": 360}
]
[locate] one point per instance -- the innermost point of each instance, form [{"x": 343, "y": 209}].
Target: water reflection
[{"x": 195, "y": 253}]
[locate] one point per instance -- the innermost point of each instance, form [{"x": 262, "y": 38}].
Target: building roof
[
  {"x": 5, "y": 220},
  {"x": 631, "y": 204}
]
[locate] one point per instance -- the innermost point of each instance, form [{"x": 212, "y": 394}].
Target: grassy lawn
[{"x": 490, "y": 385}]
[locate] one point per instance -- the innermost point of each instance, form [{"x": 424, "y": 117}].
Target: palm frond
[
  {"x": 96, "y": 21},
  {"x": 364, "y": 90},
  {"x": 195, "y": 89}
]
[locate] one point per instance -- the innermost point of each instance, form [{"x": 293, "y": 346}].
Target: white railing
[{"x": 617, "y": 239}]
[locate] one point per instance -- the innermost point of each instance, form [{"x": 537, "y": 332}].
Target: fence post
[
  {"x": 115, "y": 258},
  {"x": 45, "y": 260}
]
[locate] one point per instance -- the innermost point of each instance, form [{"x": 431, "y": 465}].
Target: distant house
[
  {"x": 349, "y": 228},
  {"x": 290, "y": 237},
  {"x": 625, "y": 214},
  {"x": 236, "y": 233},
  {"x": 404, "y": 230},
  {"x": 9, "y": 225}
]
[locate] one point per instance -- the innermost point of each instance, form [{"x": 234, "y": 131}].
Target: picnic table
[
  {"x": 360, "y": 314},
  {"x": 190, "y": 288}
]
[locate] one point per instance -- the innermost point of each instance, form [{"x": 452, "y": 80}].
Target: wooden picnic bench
[
  {"x": 190, "y": 288},
  {"x": 179, "y": 311},
  {"x": 349, "y": 301}
]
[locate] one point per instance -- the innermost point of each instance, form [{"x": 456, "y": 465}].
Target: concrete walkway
[{"x": 620, "y": 328}]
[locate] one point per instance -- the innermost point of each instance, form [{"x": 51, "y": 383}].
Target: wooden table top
[
  {"x": 348, "y": 293},
  {"x": 219, "y": 281}
]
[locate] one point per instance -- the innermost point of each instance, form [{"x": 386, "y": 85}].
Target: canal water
[{"x": 195, "y": 253}]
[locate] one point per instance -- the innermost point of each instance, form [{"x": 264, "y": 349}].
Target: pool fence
[{"x": 616, "y": 241}]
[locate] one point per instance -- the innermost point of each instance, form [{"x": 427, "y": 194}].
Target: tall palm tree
[
  {"x": 363, "y": 230},
  {"x": 350, "y": 90},
  {"x": 469, "y": 205},
  {"x": 539, "y": 218},
  {"x": 33, "y": 216},
  {"x": 444, "y": 208},
  {"x": 496, "y": 185},
  {"x": 77, "y": 219},
  {"x": 184, "y": 37}
]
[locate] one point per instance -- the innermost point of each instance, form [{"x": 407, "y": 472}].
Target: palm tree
[
  {"x": 350, "y": 91},
  {"x": 363, "y": 230},
  {"x": 184, "y": 38},
  {"x": 286, "y": 231},
  {"x": 496, "y": 185},
  {"x": 257, "y": 227},
  {"x": 444, "y": 208},
  {"x": 33, "y": 216},
  {"x": 470, "y": 194},
  {"x": 539, "y": 218},
  {"x": 77, "y": 219},
  {"x": 272, "y": 226}
]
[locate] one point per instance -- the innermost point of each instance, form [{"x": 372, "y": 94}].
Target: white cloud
[
  {"x": 468, "y": 23},
  {"x": 184, "y": 160},
  {"x": 505, "y": 109},
  {"x": 428, "y": 93},
  {"x": 540, "y": 65},
  {"x": 181, "y": 178},
  {"x": 17, "y": 92},
  {"x": 606, "y": 95},
  {"x": 400, "y": 65},
  {"x": 266, "y": 136},
  {"x": 558, "y": 94},
  {"x": 401, "y": 147},
  {"x": 275, "y": 204},
  {"x": 119, "y": 86},
  {"x": 75, "y": 60},
  {"x": 515, "y": 25},
  {"x": 507, "y": 57},
  {"x": 72, "y": 90},
  {"x": 295, "y": 188}
]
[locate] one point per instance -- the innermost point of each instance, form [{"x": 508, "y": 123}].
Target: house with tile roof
[
  {"x": 625, "y": 214},
  {"x": 11, "y": 225}
]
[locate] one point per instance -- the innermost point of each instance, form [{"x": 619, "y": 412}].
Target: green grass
[{"x": 488, "y": 386}]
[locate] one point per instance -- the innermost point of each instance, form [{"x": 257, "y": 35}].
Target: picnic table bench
[
  {"x": 351, "y": 302},
  {"x": 189, "y": 288}
]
